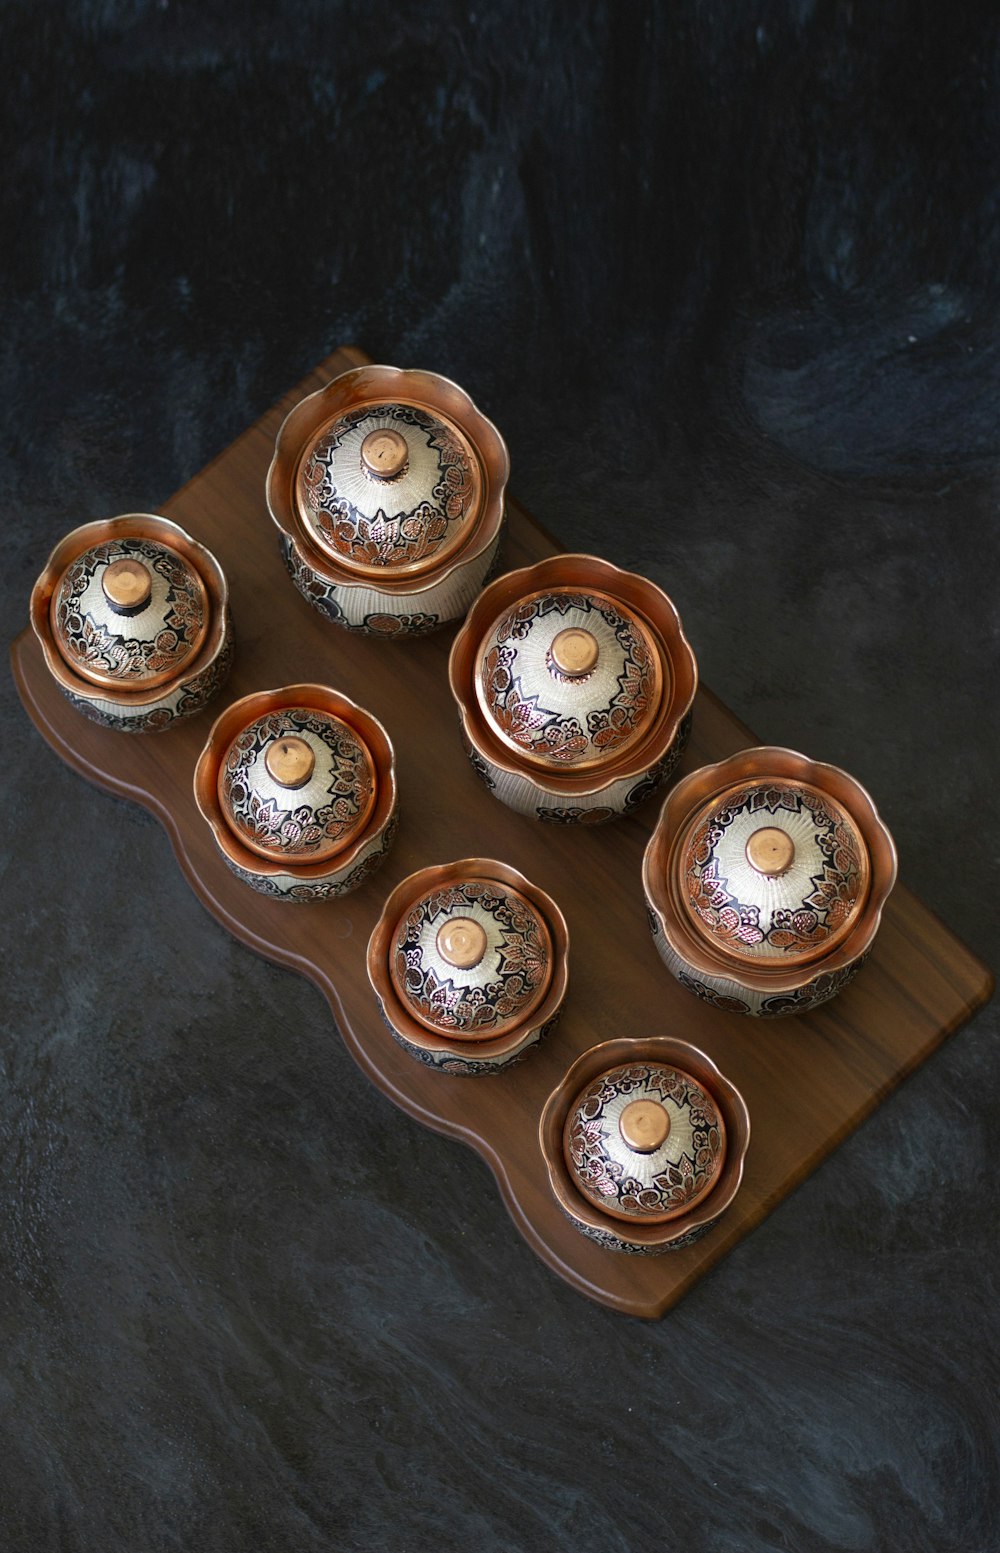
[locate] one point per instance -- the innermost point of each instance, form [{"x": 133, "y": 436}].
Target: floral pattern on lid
[
  {"x": 415, "y": 515},
  {"x": 129, "y": 646},
  {"x": 569, "y": 679},
  {"x": 800, "y": 904},
  {"x": 305, "y": 823},
  {"x": 511, "y": 959},
  {"x": 633, "y": 1183}
]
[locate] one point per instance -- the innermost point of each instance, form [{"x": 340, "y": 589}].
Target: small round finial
[
  {"x": 644, "y": 1126},
  {"x": 127, "y": 586},
  {"x": 461, "y": 943},
  {"x": 574, "y": 652},
  {"x": 770, "y": 851},
  {"x": 384, "y": 453},
  {"x": 290, "y": 761}
]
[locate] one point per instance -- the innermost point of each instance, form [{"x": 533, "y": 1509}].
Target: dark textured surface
[{"x": 725, "y": 277}]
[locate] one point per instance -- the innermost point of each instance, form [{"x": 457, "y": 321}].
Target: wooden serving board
[{"x": 807, "y": 1081}]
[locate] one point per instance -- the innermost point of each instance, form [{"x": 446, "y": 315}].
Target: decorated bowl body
[
  {"x": 290, "y": 878},
  {"x": 498, "y": 1033},
  {"x": 539, "y": 757},
  {"x": 635, "y": 1236},
  {"x": 389, "y": 557},
  {"x": 767, "y": 943},
  {"x": 72, "y": 635}
]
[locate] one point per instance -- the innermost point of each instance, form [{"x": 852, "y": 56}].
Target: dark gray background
[{"x": 725, "y": 276}]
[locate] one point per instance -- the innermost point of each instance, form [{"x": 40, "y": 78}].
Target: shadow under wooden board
[{"x": 807, "y": 1081}]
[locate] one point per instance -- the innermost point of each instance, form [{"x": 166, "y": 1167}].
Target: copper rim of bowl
[
  {"x": 685, "y": 802},
  {"x": 380, "y": 947},
  {"x": 246, "y": 710},
  {"x": 611, "y": 1054},
  {"x": 129, "y": 525},
  {"x": 656, "y": 611},
  {"x": 373, "y": 385}
]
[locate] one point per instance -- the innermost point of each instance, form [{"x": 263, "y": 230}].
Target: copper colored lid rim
[
  {"x": 413, "y": 572},
  {"x": 245, "y": 710},
  {"x": 381, "y": 946},
  {"x": 608, "y": 1204},
  {"x": 149, "y": 528},
  {"x": 701, "y": 787},
  {"x": 655, "y": 1049},
  {"x": 735, "y": 959},
  {"x": 523, "y": 1014},
  {"x": 580, "y": 571},
  {"x": 582, "y": 652}
]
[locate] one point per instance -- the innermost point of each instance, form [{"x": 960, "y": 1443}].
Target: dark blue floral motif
[
  {"x": 322, "y": 596},
  {"x": 321, "y": 890},
  {"x": 196, "y": 694},
  {"x": 478, "y": 764},
  {"x": 612, "y": 1242},
  {"x": 571, "y": 816}
]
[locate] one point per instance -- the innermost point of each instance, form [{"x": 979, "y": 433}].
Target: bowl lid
[
  {"x": 129, "y": 613},
  {"x": 774, "y": 871},
  {"x": 472, "y": 960},
  {"x": 644, "y": 1141},
  {"x": 389, "y": 488},
  {"x": 297, "y": 785},
  {"x": 569, "y": 678}
]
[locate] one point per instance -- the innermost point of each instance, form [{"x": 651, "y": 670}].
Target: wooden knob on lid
[
  {"x": 290, "y": 761},
  {"x": 384, "y": 453},
  {"x": 574, "y": 652},
  {"x": 127, "y": 586},
  {"x": 770, "y": 851},
  {"x": 461, "y": 943}
]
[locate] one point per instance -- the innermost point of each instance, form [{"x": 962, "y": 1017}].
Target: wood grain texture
[{"x": 807, "y": 1081}]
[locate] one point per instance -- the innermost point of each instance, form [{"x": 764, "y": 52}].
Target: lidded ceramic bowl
[
  {"x": 299, "y": 788},
  {"x": 387, "y": 487},
  {"x": 765, "y": 879},
  {"x": 574, "y": 682},
  {"x": 645, "y": 1142},
  {"x": 468, "y": 962},
  {"x": 133, "y": 618}
]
